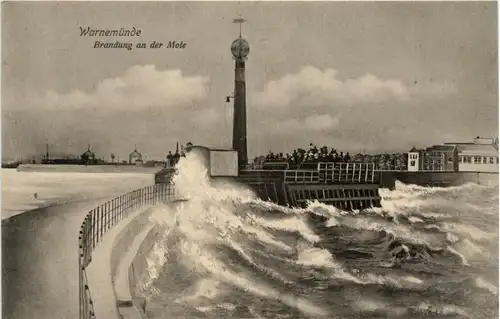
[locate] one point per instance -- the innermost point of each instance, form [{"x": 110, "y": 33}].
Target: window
[
  {"x": 485, "y": 160},
  {"x": 497, "y": 159},
  {"x": 413, "y": 163},
  {"x": 466, "y": 159},
  {"x": 450, "y": 160},
  {"x": 492, "y": 160},
  {"x": 477, "y": 159}
]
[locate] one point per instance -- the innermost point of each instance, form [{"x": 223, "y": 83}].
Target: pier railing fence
[
  {"x": 101, "y": 219},
  {"x": 336, "y": 173},
  {"x": 347, "y": 172}
]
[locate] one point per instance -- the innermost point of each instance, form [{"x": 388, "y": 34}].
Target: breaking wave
[{"x": 224, "y": 253}]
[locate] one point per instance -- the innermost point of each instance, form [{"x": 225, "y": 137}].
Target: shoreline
[{"x": 87, "y": 169}]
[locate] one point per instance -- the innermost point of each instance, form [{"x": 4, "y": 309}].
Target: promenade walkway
[{"x": 40, "y": 261}]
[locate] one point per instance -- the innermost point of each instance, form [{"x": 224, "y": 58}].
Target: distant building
[
  {"x": 441, "y": 158},
  {"x": 434, "y": 158},
  {"x": 88, "y": 156},
  {"x": 415, "y": 160},
  {"x": 479, "y": 156},
  {"x": 134, "y": 157}
]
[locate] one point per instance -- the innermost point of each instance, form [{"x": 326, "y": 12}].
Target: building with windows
[
  {"x": 135, "y": 157},
  {"x": 415, "y": 160},
  {"x": 434, "y": 158},
  {"x": 441, "y": 158},
  {"x": 479, "y": 156}
]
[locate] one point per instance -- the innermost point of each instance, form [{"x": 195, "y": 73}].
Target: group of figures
[
  {"x": 309, "y": 158},
  {"x": 301, "y": 158},
  {"x": 173, "y": 159}
]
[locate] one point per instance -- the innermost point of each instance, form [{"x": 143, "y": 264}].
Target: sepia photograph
[{"x": 249, "y": 159}]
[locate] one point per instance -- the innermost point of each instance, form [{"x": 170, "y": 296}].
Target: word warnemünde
[{"x": 122, "y": 32}]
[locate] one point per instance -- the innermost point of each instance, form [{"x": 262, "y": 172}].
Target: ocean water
[
  {"x": 427, "y": 253},
  {"x": 52, "y": 188}
]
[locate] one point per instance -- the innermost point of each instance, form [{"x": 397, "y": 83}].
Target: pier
[{"x": 343, "y": 185}]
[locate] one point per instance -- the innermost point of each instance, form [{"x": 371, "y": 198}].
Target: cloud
[
  {"x": 311, "y": 85},
  {"x": 314, "y": 87},
  {"x": 316, "y": 123},
  {"x": 153, "y": 108},
  {"x": 140, "y": 87},
  {"x": 366, "y": 112}
]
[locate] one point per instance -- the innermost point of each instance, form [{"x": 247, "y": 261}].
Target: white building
[
  {"x": 479, "y": 156},
  {"x": 414, "y": 160}
]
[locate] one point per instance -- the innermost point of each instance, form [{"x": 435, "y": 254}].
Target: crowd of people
[
  {"x": 302, "y": 158},
  {"x": 397, "y": 161}
]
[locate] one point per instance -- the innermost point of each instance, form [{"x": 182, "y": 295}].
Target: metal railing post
[
  {"x": 101, "y": 218},
  {"x": 115, "y": 211},
  {"x": 108, "y": 216},
  {"x": 94, "y": 227},
  {"x": 80, "y": 275}
]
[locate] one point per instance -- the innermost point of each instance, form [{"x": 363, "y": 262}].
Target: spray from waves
[
  {"x": 381, "y": 309},
  {"x": 212, "y": 231},
  {"x": 430, "y": 202},
  {"x": 481, "y": 283},
  {"x": 414, "y": 191},
  {"x": 224, "y": 247}
]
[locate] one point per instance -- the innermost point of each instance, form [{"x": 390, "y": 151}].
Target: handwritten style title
[{"x": 123, "y": 32}]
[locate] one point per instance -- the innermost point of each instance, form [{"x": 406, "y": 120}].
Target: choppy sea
[{"x": 426, "y": 253}]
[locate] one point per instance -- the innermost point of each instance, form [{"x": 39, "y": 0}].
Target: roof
[
  {"x": 413, "y": 149},
  {"x": 441, "y": 148},
  {"x": 223, "y": 149},
  {"x": 477, "y": 149},
  {"x": 214, "y": 148},
  {"x": 135, "y": 153},
  {"x": 477, "y": 141}
]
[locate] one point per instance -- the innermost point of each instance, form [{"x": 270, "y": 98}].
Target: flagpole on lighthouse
[{"x": 240, "y": 21}]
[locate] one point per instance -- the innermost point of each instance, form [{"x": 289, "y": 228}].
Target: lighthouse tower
[{"x": 240, "y": 49}]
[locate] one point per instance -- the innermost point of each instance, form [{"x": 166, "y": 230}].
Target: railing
[
  {"x": 346, "y": 172},
  {"x": 101, "y": 219},
  {"x": 275, "y": 165},
  {"x": 301, "y": 176},
  {"x": 336, "y": 173}
]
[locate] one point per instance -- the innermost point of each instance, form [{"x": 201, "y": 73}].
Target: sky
[{"x": 359, "y": 77}]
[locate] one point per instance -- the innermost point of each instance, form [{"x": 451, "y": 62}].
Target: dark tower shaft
[{"x": 240, "y": 113}]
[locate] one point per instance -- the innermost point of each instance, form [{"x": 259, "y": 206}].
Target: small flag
[{"x": 239, "y": 20}]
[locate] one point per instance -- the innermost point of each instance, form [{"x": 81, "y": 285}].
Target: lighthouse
[{"x": 240, "y": 49}]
